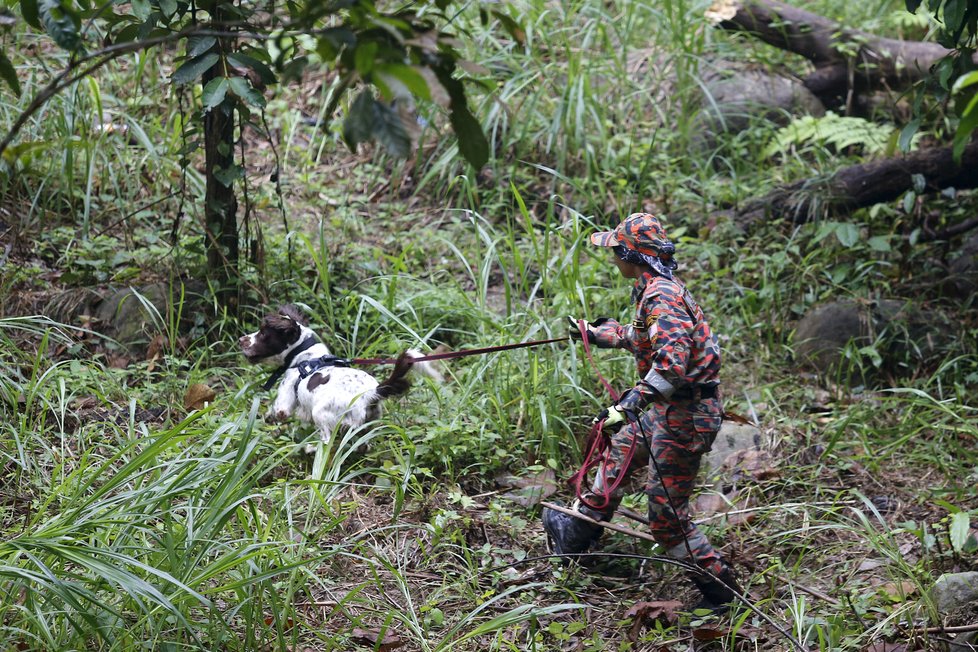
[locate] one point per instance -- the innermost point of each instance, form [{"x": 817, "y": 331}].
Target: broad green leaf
[
  {"x": 60, "y": 24},
  {"x": 824, "y": 231},
  {"x": 365, "y": 56},
  {"x": 400, "y": 81},
  {"x": 960, "y": 529},
  {"x": 357, "y": 126},
  {"x": 967, "y": 125},
  {"x": 907, "y": 134},
  {"x": 242, "y": 88},
  {"x": 333, "y": 41},
  {"x": 954, "y": 11},
  {"x": 912, "y": 5},
  {"x": 127, "y": 34},
  {"x": 194, "y": 68},
  {"x": 369, "y": 120},
  {"x": 944, "y": 69},
  {"x": 227, "y": 176},
  {"x": 168, "y": 8},
  {"x": 908, "y": 201},
  {"x": 198, "y": 45},
  {"x": 8, "y": 74},
  {"x": 514, "y": 28},
  {"x": 472, "y": 141},
  {"x": 880, "y": 243},
  {"x": 28, "y": 9},
  {"x": 873, "y": 355},
  {"x": 142, "y": 9},
  {"x": 965, "y": 80},
  {"x": 391, "y": 131},
  {"x": 247, "y": 62},
  {"x": 214, "y": 93},
  {"x": 848, "y": 234}
]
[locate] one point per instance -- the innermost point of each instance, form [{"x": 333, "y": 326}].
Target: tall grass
[{"x": 212, "y": 530}]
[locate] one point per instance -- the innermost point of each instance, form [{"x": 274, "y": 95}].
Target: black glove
[{"x": 575, "y": 332}]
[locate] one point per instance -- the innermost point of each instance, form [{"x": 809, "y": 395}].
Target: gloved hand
[
  {"x": 575, "y": 332},
  {"x": 614, "y": 417}
]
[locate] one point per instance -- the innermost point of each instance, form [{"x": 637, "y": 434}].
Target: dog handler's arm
[
  {"x": 603, "y": 332},
  {"x": 670, "y": 344}
]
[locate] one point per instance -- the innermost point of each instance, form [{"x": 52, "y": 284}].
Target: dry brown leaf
[
  {"x": 755, "y": 464},
  {"x": 198, "y": 395},
  {"x": 883, "y": 646},
  {"x": 287, "y": 625},
  {"x": 372, "y": 638},
  {"x": 529, "y": 489},
  {"x": 898, "y": 591},
  {"x": 663, "y": 611},
  {"x": 869, "y": 564},
  {"x": 155, "y": 347},
  {"x": 708, "y": 633},
  {"x": 85, "y": 403},
  {"x": 118, "y": 361},
  {"x": 710, "y": 504}
]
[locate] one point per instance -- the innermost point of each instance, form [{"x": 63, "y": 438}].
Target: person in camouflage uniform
[{"x": 675, "y": 408}]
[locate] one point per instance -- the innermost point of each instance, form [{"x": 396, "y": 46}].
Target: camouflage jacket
[{"x": 670, "y": 339}]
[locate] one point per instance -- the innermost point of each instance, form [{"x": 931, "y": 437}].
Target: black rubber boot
[
  {"x": 716, "y": 596},
  {"x": 569, "y": 535}
]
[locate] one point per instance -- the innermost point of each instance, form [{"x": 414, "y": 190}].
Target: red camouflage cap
[{"x": 639, "y": 232}]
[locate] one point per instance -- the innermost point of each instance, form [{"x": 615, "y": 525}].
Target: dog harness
[{"x": 306, "y": 344}]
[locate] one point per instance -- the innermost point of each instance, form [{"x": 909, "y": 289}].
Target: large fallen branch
[
  {"x": 863, "y": 185},
  {"x": 845, "y": 59}
]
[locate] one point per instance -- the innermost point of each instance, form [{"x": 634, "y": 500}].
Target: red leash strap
[
  {"x": 582, "y": 326},
  {"x": 598, "y": 444},
  {"x": 459, "y": 354}
]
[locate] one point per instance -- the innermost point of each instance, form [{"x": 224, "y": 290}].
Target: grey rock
[
  {"x": 132, "y": 317},
  {"x": 902, "y": 334},
  {"x": 734, "y": 98},
  {"x": 732, "y": 437},
  {"x": 964, "y": 642},
  {"x": 953, "y": 590},
  {"x": 73, "y": 305},
  {"x": 962, "y": 278}
]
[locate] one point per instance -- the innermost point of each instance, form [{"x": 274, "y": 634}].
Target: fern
[{"x": 835, "y": 131}]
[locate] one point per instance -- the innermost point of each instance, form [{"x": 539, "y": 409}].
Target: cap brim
[{"x": 604, "y": 239}]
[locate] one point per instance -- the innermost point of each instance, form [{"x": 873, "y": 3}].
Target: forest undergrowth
[{"x": 145, "y": 502}]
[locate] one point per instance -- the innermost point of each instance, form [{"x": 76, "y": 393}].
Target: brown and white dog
[{"x": 315, "y": 386}]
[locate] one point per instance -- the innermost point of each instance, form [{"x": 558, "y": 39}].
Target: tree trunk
[
  {"x": 220, "y": 203},
  {"x": 846, "y": 61},
  {"x": 863, "y": 185}
]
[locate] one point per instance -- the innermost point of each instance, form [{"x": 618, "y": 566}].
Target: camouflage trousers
[{"x": 679, "y": 434}]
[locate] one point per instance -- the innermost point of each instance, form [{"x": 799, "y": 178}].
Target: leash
[
  {"x": 308, "y": 367},
  {"x": 598, "y": 443},
  {"x": 449, "y": 355}
]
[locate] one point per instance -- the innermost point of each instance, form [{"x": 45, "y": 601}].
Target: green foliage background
[{"x": 130, "y": 522}]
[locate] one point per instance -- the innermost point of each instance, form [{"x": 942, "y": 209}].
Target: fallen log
[
  {"x": 863, "y": 185},
  {"x": 847, "y": 61}
]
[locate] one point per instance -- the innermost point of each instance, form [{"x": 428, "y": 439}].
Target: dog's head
[{"x": 280, "y": 332}]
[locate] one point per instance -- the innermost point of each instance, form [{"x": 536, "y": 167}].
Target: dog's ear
[{"x": 293, "y": 312}]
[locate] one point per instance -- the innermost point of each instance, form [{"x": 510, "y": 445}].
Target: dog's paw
[{"x": 276, "y": 416}]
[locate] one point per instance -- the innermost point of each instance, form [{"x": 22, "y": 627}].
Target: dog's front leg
[{"x": 285, "y": 401}]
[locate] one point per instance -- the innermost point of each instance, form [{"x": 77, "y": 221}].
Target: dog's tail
[{"x": 398, "y": 382}]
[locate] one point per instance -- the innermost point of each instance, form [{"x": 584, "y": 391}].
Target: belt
[{"x": 696, "y": 392}]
